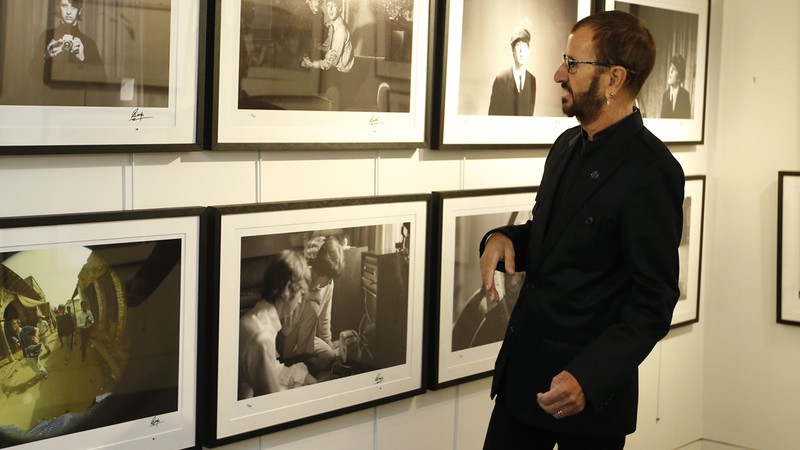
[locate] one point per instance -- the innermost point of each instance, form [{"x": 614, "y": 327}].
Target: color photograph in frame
[
  {"x": 690, "y": 251},
  {"x": 106, "y": 75},
  {"x": 483, "y": 104},
  {"x": 788, "y": 295},
  {"x": 99, "y": 319},
  {"x": 672, "y": 100},
  {"x": 320, "y": 311},
  {"x": 467, "y": 327},
  {"x": 321, "y": 74}
]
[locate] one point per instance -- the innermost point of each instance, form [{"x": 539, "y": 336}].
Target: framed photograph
[
  {"x": 788, "y": 248},
  {"x": 2, "y": 45},
  {"x": 100, "y": 76},
  {"x": 99, "y": 317},
  {"x": 467, "y": 327},
  {"x": 498, "y": 89},
  {"x": 690, "y": 252},
  {"x": 321, "y": 73},
  {"x": 320, "y": 310},
  {"x": 672, "y": 100}
]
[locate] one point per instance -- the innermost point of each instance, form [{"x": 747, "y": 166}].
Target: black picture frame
[
  {"x": 133, "y": 384},
  {"x": 377, "y": 307},
  {"x": 680, "y": 29},
  {"x": 2, "y": 46},
  {"x": 137, "y": 90},
  {"x": 466, "y": 328},
  {"x": 372, "y": 94},
  {"x": 473, "y": 61},
  {"x": 690, "y": 252},
  {"x": 788, "y": 280}
]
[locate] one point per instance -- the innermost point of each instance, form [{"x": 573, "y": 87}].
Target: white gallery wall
[
  {"x": 751, "y": 388},
  {"x": 731, "y": 378}
]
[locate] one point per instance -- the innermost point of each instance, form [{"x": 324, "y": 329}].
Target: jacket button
[
  {"x": 589, "y": 220},
  {"x": 511, "y": 330},
  {"x": 595, "y": 174}
]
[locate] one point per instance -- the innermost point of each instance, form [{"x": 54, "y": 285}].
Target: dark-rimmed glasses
[{"x": 572, "y": 64}]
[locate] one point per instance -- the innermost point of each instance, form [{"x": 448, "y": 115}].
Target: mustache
[{"x": 566, "y": 87}]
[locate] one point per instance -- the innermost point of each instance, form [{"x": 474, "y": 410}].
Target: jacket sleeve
[
  {"x": 494, "y": 100},
  {"x": 519, "y": 235}
]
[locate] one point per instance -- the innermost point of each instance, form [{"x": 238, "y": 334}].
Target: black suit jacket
[
  {"x": 602, "y": 279},
  {"x": 683, "y": 105},
  {"x": 506, "y": 101}
]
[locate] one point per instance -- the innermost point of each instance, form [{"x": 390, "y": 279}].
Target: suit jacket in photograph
[
  {"x": 682, "y": 108},
  {"x": 602, "y": 279},
  {"x": 506, "y": 101}
]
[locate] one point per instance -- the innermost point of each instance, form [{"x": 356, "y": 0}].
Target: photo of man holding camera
[{"x": 67, "y": 54}]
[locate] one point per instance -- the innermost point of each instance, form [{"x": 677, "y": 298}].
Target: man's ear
[{"x": 617, "y": 77}]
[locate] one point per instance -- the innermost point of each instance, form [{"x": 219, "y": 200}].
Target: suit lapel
[
  {"x": 593, "y": 175},
  {"x": 546, "y": 196}
]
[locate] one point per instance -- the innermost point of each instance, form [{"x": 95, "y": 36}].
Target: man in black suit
[
  {"x": 675, "y": 103},
  {"x": 514, "y": 89},
  {"x": 601, "y": 256}
]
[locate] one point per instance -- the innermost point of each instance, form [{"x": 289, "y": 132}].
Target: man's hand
[
  {"x": 78, "y": 49},
  {"x": 54, "y": 48},
  {"x": 498, "y": 248},
  {"x": 564, "y": 398}
]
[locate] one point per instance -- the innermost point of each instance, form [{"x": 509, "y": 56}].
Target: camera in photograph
[{"x": 67, "y": 43}]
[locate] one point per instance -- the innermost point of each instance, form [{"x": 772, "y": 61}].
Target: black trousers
[
  {"x": 507, "y": 433},
  {"x": 85, "y": 332}
]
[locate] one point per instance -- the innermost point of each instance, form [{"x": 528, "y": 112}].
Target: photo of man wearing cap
[{"x": 514, "y": 89}]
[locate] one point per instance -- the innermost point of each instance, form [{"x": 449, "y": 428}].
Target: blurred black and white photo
[
  {"x": 101, "y": 53},
  {"x": 320, "y": 305},
  {"x": 326, "y": 55},
  {"x": 476, "y": 319}
]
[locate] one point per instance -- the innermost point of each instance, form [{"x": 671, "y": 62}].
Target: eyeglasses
[{"x": 572, "y": 64}]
